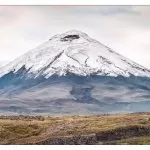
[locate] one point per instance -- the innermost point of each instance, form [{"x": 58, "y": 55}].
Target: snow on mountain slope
[
  {"x": 74, "y": 52},
  {"x": 3, "y": 63}
]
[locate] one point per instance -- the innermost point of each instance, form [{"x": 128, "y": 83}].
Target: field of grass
[
  {"x": 143, "y": 140},
  {"x": 102, "y": 129}
]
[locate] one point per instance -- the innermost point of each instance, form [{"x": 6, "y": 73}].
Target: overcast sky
[{"x": 125, "y": 29}]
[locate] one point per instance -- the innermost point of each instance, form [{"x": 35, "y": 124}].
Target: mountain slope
[
  {"x": 3, "y": 63},
  {"x": 74, "y": 52},
  {"x": 73, "y": 74}
]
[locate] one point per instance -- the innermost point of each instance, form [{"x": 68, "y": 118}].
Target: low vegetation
[
  {"x": 143, "y": 140},
  {"x": 102, "y": 129}
]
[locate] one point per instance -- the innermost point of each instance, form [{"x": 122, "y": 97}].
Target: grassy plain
[{"x": 106, "y": 129}]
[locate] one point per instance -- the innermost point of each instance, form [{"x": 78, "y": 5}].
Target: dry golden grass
[
  {"x": 25, "y": 130},
  {"x": 143, "y": 140}
]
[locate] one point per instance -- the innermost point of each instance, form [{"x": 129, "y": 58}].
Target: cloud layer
[{"x": 126, "y": 29}]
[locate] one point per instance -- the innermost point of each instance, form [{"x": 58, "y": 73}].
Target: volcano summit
[{"x": 74, "y": 52}]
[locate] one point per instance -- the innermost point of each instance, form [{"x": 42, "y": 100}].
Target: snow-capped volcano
[
  {"x": 74, "y": 52},
  {"x": 72, "y": 73}
]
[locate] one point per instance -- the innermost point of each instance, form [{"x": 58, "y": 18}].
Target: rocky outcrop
[
  {"x": 99, "y": 138},
  {"x": 71, "y": 140},
  {"x": 123, "y": 133}
]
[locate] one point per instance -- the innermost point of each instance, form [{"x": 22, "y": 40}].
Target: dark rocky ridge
[{"x": 69, "y": 38}]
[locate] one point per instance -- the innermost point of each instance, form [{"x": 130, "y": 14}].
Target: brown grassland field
[{"x": 101, "y": 129}]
